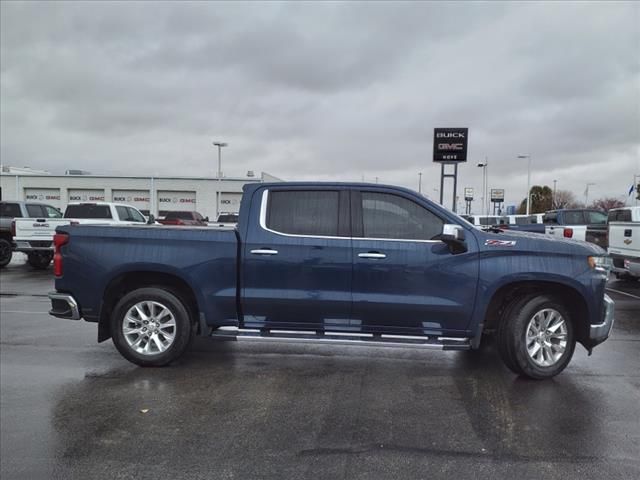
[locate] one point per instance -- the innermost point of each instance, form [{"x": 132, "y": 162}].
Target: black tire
[
  {"x": 512, "y": 332},
  {"x": 182, "y": 333},
  {"x": 39, "y": 260},
  {"x": 5, "y": 252}
]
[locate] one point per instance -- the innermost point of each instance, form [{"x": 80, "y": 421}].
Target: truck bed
[{"x": 205, "y": 258}]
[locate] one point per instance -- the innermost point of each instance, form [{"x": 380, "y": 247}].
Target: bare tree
[
  {"x": 607, "y": 203},
  {"x": 564, "y": 199}
]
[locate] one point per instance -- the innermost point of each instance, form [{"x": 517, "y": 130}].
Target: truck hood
[{"x": 536, "y": 242}]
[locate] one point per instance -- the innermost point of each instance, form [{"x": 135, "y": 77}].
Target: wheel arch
[
  {"x": 125, "y": 282},
  {"x": 570, "y": 297}
]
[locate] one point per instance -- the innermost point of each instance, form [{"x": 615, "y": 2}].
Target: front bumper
[
  {"x": 598, "y": 333},
  {"x": 64, "y": 305}
]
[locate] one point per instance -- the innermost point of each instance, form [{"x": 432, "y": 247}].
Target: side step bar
[{"x": 341, "y": 338}]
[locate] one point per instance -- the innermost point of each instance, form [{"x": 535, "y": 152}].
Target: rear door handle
[
  {"x": 264, "y": 251},
  {"x": 372, "y": 255}
]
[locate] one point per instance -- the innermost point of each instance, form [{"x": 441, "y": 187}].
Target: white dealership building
[{"x": 156, "y": 195}]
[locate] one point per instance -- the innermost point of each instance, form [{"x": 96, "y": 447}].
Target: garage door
[
  {"x": 141, "y": 199},
  {"x": 173, "y": 201},
  {"x": 230, "y": 202},
  {"x": 50, "y": 196},
  {"x": 85, "y": 195}
]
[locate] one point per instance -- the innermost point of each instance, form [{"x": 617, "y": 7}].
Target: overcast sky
[{"x": 325, "y": 91}]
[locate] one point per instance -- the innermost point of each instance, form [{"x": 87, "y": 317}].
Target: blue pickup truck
[{"x": 335, "y": 263}]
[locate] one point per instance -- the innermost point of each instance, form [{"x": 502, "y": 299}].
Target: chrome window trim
[{"x": 263, "y": 225}]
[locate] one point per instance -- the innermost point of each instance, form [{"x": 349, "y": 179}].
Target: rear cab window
[
  {"x": 574, "y": 218},
  {"x": 10, "y": 210},
  {"x": 623, "y": 215},
  {"x": 88, "y": 210}
]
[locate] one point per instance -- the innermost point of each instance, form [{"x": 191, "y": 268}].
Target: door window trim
[{"x": 263, "y": 221}]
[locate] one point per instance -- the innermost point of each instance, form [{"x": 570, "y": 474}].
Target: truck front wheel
[
  {"x": 151, "y": 327},
  {"x": 535, "y": 337}
]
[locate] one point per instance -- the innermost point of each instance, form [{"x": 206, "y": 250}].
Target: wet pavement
[{"x": 74, "y": 409}]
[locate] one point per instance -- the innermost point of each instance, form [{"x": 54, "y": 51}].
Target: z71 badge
[{"x": 500, "y": 243}]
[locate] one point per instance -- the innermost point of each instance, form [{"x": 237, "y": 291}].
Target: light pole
[
  {"x": 419, "y": 182},
  {"x": 528, "y": 180},
  {"x": 220, "y": 145},
  {"x": 553, "y": 199},
  {"x": 219, "y": 175},
  {"x": 484, "y": 166},
  {"x": 586, "y": 194}
]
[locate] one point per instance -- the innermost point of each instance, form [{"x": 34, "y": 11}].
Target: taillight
[
  {"x": 13, "y": 228},
  {"x": 59, "y": 239},
  {"x": 568, "y": 233}
]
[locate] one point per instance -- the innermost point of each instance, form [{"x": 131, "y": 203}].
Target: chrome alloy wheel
[
  {"x": 546, "y": 337},
  {"x": 149, "y": 328}
]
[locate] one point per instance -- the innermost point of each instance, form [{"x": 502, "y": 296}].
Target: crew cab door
[
  {"x": 296, "y": 259},
  {"x": 405, "y": 280}
]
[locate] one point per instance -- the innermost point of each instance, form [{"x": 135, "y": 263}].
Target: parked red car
[{"x": 184, "y": 218}]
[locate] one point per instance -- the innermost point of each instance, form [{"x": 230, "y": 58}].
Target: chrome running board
[{"x": 341, "y": 338}]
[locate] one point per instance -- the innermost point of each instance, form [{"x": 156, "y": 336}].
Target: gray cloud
[{"x": 325, "y": 90}]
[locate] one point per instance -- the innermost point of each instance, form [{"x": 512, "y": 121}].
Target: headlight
[{"x": 603, "y": 264}]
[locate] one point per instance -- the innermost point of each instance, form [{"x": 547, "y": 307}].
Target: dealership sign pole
[
  {"x": 497, "y": 198},
  {"x": 449, "y": 147},
  {"x": 468, "y": 197}
]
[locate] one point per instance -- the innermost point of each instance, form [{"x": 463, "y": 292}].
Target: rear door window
[
  {"x": 88, "y": 210},
  {"x": 35, "y": 211},
  {"x": 10, "y": 210},
  {"x": 391, "y": 216},
  {"x": 302, "y": 212}
]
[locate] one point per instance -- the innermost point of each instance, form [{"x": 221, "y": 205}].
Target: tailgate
[
  {"x": 36, "y": 232},
  {"x": 624, "y": 239}
]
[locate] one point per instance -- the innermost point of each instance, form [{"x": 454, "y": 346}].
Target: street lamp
[
  {"x": 419, "y": 182},
  {"x": 553, "y": 200},
  {"x": 220, "y": 145},
  {"x": 528, "y": 180},
  {"x": 586, "y": 194},
  {"x": 484, "y": 167}
]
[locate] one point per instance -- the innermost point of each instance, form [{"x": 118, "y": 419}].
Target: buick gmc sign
[{"x": 450, "y": 144}]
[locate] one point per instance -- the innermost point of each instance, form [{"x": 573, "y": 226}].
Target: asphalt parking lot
[{"x": 75, "y": 409}]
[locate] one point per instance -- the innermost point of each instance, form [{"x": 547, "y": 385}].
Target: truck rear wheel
[
  {"x": 535, "y": 337},
  {"x": 151, "y": 327},
  {"x": 5, "y": 252},
  {"x": 39, "y": 260}
]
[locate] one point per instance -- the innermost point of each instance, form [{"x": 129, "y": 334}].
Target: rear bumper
[
  {"x": 33, "y": 245},
  {"x": 64, "y": 305},
  {"x": 598, "y": 333}
]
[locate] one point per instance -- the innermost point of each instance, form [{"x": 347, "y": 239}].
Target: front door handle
[
  {"x": 377, "y": 255},
  {"x": 264, "y": 251}
]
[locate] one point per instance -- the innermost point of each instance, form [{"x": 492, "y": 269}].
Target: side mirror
[
  {"x": 151, "y": 220},
  {"x": 453, "y": 236},
  {"x": 206, "y": 219}
]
